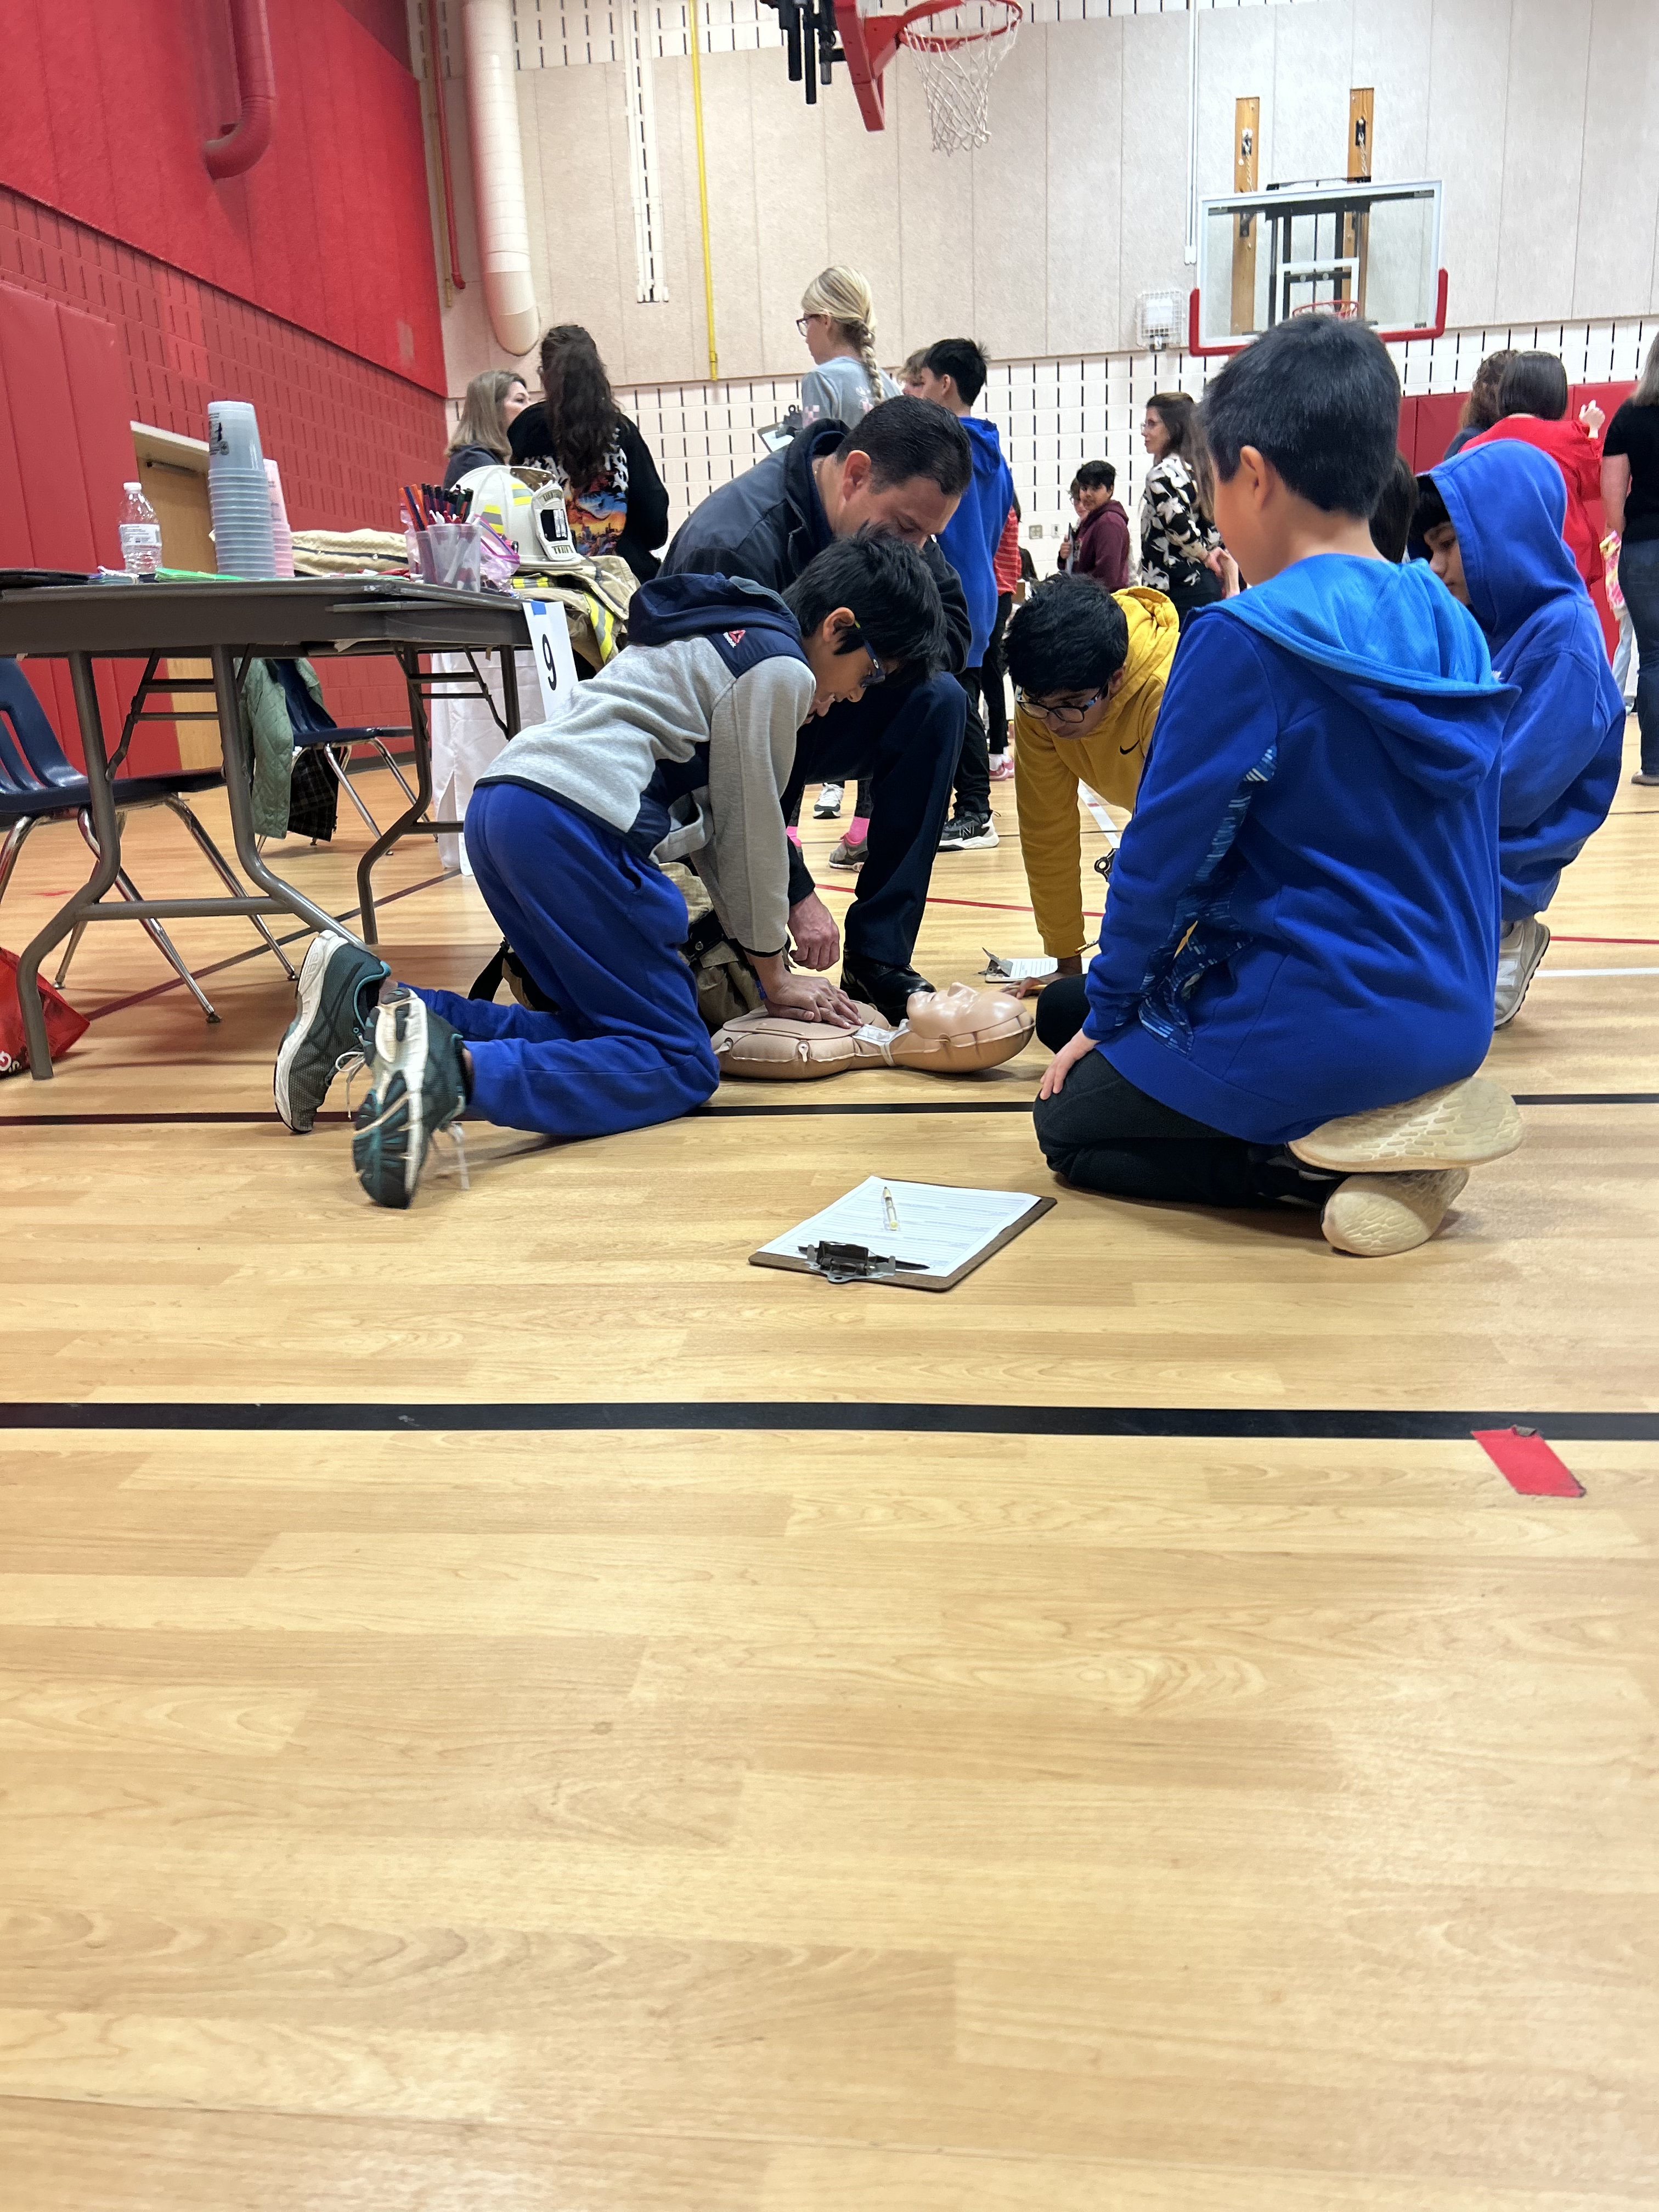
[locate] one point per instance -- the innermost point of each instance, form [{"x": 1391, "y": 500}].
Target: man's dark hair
[
  {"x": 1094, "y": 476},
  {"x": 907, "y": 438},
  {"x": 888, "y": 587},
  {"x": 1070, "y": 635},
  {"x": 1319, "y": 398},
  {"x": 962, "y": 361},
  {"x": 1391, "y": 518},
  {"x": 1533, "y": 383}
]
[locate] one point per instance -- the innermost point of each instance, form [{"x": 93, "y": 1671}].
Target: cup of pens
[
  {"x": 446, "y": 548},
  {"x": 452, "y": 554}
]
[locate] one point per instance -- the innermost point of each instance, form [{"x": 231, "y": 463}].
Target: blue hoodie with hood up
[
  {"x": 1303, "y": 917},
  {"x": 1564, "y": 737},
  {"x": 969, "y": 540}
]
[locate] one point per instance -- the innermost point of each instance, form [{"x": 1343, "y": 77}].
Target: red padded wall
[
  {"x": 108, "y": 102},
  {"x": 344, "y": 433},
  {"x": 59, "y": 498}
]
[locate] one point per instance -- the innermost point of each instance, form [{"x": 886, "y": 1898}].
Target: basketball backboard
[{"x": 1356, "y": 248}]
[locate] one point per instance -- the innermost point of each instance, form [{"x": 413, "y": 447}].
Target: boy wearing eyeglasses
[
  {"x": 680, "y": 749},
  {"x": 1088, "y": 669}
]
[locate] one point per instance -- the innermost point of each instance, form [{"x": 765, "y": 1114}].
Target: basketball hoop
[
  {"x": 959, "y": 45},
  {"x": 1346, "y": 310}
]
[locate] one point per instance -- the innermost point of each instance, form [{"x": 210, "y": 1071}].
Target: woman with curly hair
[
  {"x": 613, "y": 493},
  {"x": 1177, "y": 526}
]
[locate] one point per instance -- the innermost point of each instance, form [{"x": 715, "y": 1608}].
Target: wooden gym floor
[{"x": 423, "y": 1786}]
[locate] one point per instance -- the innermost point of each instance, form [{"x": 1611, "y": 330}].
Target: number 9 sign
[{"x": 556, "y": 664}]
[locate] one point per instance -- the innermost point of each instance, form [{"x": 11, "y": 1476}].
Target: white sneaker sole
[
  {"x": 308, "y": 991},
  {"x": 396, "y": 1056},
  {"x": 1512, "y": 993},
  {"x": 1461, "y": 1125},
  {"x": 1374, "y": 1216}
]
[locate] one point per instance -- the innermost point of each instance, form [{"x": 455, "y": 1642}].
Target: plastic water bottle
[{"x": 140, "y": 533}]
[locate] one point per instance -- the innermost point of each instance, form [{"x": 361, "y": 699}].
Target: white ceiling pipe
[{"x": 492, "y": 108}]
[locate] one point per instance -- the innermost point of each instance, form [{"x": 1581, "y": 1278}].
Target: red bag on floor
[{"x": 63, "y": 1025}]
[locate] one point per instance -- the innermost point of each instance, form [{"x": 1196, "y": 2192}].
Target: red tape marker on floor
[{"x": 1526, "y": 1463}]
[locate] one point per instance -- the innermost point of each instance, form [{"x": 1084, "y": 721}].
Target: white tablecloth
[{"x": 465, "y": 738}]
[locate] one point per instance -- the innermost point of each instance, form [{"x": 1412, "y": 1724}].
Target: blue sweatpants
[{"x": 597, "y": 930}]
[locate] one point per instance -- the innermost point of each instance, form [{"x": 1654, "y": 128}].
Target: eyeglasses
[
  {"x": 878, "y": 673},
  {"x": 801, "y": 321},
  {"x": 1062, "y": 718}
]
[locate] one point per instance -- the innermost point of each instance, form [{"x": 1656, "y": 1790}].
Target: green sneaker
[
  {"x": 416, "y": 1089},
  {"x": 337, "y": 991}
]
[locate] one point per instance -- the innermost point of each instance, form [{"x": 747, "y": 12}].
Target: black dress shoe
[{"x": 887, "y": 989}]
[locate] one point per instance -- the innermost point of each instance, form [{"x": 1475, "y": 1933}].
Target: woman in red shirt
[{"x": 1533, "y": 398}]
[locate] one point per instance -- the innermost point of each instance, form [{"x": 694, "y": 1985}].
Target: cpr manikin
[{"x": 952, "y": 1032}]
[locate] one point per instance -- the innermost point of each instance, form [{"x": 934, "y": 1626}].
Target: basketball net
[{"x": 958, "y": 50}]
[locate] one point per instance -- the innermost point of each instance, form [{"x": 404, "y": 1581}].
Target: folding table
[{"x": 228, "y": 623}]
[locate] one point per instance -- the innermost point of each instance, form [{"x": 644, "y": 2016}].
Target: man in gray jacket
[{"x": 900, "y": 473}]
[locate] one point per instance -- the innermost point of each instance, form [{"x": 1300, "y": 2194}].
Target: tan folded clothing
[{"x": 380, "y": 544}]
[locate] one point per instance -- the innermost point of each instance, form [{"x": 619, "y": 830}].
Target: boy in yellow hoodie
[{"x": 1088, "y": 669}]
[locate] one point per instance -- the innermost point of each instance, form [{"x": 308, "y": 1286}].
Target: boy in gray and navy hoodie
[{"x": 678, "y": 750}]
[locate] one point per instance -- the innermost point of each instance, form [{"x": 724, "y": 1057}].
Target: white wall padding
[{"x": 492, "y": 107}]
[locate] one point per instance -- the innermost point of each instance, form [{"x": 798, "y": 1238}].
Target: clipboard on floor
[{"x": 914, "y": 1236}]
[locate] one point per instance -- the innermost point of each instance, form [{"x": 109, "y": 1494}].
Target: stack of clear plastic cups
[
  {"x": 281, "y": 536},
  {"x": 238, "y": 492}
]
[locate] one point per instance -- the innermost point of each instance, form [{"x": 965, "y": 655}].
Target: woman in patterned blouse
[{"x": 1176, "y": 533}]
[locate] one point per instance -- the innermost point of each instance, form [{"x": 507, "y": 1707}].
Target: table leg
[
  {"x": 420, "y": 729},
  {"x": 239, "y": 789},
  {"x": 509, "y": 660},
  {"x": 106, "y": 826}
]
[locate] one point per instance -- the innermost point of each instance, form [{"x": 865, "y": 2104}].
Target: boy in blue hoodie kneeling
[
  {"x": 1491, "y": 518},
  {"x": 680, "y": 748},
  {"x": 1295, "y": 977}
]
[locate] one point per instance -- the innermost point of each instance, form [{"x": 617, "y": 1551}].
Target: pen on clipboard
[{"x": 888, "y": 1211}]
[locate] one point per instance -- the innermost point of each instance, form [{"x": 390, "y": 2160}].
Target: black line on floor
[
  {"x": 1271, "y": 1422},
  {"x": 732, "y": 1113}
]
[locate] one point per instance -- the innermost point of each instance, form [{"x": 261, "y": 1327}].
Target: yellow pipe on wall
[{"x": 693, "y": 23}]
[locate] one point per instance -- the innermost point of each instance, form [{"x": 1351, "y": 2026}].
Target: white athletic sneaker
[
  {"x": 1375, "y": 1215},
  {"x": 829, "y": 803},
  {"x": 1520, "y": 949},
  {"x": 1458, "y": 1127}
]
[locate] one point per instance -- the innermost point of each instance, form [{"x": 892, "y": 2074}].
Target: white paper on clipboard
[
  {"x": 947, "y": 1229},
  {"x": 556, "y": 664},
  {"x": 999, "y": 969}
]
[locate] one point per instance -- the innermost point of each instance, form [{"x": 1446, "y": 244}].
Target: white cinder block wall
[
  {"x": 1541, "y": 117},
  {"x": 1055, "y": 413}
]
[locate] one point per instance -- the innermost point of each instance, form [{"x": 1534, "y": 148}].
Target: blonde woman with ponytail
[{"x": 838, "y": 322}]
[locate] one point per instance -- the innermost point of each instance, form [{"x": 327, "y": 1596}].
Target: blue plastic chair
[
  {"x": 38, "y": 784},
  {"x": 316, "y": 731}
]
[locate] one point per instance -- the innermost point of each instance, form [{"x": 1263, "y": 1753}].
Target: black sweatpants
[
  {"x": 993, "y": 671},
  {"x": 973, "y": 784},
  {"x": 1103, "y": 1134},
  {"x": 901, "y": 741}
]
